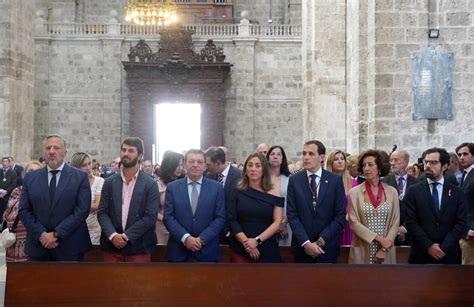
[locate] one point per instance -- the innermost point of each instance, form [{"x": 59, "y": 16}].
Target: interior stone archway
[{"x": 176, "y": 73}]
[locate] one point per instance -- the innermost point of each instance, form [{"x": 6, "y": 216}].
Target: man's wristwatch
[
  {"x": 320, "y": 243},
  {"x": 259, "y": 241}
]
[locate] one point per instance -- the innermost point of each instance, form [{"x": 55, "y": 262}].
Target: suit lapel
[
  {"x": 43, "y": 182},
  {"x": 445, "y": 198},
  {"x": 323, "y": 187},
  {"x": 117, "y": 196},
  {"x": 304, "y": 183},
  {"x": 469, "y": 177},
  {"x": 62, "y": 184},
  {"x": 184, "y": 191},
  {"x": 138, "y": 189},
  {"x": 202, "y": 196},
  {"x": 428, "y": 198}
]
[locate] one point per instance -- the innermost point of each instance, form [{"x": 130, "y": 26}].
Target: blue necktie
[
  {"x": 314, "y": 187},
  {"x": 400, "y": 185},
  {"x": 52, "y": 185},
  {"x": 435, "y": 197}
]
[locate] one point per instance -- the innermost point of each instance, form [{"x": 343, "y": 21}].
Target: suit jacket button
[{"x": 437, "y": 224}]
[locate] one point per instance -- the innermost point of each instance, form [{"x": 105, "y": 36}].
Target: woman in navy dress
[{"x": 255, "y": 214}]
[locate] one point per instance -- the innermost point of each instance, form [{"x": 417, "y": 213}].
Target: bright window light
[{"x": 178, "y": 127}]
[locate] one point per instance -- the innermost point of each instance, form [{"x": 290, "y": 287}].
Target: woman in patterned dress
[
  {"x": 374, "y": 214},
  {"x": 83, "y": 161},
  {"x": 16, "y": 253}
]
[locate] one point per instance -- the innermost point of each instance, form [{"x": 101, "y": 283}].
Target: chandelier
[{"x": 150, "y": 12}]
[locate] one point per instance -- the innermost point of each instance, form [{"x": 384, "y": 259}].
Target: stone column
[
  {"x": 324, "y": 65},
  {"x": 112, "y": 97},
  {"x": 16, "y": 79},
  {"x": 239, "y": 122}
]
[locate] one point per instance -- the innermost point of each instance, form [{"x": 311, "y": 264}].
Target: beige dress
[
  {"x": 92, "y": 222},
  {"x": 366, "y": 223},
  {"x": 162, "y": 234}
]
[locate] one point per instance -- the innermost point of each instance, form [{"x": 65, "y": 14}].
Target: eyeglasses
[{"x": 430, "y": 162}]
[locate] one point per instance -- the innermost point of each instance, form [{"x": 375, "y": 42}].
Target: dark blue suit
[
  {"x": 206, "y": 223},
  {"x": 427, "y": 226},
  {"x": 326, "y": 221},
  {"x": 141, "y": 219},
  {"x": 66, "y": 214}
]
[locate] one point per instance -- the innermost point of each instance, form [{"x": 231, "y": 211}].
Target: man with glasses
[{"x": 435, "y": 213}]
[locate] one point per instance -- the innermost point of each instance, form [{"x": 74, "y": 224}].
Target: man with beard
[
  {"x": 435, "y": 213},
  {"x": 54, "y": 204},
  {"x": 128, "y": 209}
]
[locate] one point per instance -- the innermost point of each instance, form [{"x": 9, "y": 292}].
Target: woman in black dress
[{"x": 255, "y": 214}]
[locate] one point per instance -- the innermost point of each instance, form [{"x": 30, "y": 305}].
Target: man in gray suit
[{"x": 128, "y": 209}]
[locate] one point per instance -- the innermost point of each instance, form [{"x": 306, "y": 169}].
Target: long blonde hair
[{"x": 346, "y": 177}]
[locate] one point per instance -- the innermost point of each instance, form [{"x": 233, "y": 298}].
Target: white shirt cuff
[
  {"x": 304, "y": 243},
  {"x": 184, "y": 237}
]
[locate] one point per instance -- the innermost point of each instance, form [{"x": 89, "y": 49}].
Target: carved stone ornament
[
  {"x": 143, "y": 53},
  {"x": 175, "y": 70},
  {"x": 211, "y": 53}
]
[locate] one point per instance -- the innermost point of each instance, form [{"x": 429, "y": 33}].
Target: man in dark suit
[
  {"x": 465, "y": 152},
  {"x": 400, "y": 180},
  {"x": 128, "y": 209},
  {"x": 316, "y": 208},
  {"x": 18, "y": 170},
  {"x": 8, "y": 179},
  {"x": 435, "y": 213},
  {"x": 194, "y": 213},
  {"x": 54, "y": 204},
  {"x": 220, "y": 170}
]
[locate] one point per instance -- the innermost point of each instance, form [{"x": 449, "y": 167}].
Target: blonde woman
[
  {"x": 336, "y": 162},
  {"x": 83, "y": 161}
]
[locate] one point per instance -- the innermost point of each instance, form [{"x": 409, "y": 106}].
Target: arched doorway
[{"x": 175, "y": 73}]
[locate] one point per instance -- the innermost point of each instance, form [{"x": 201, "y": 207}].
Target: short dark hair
[
  {"x": 216, "y": 154},
  {"x": 135, "y": 142},
  {"x": 284, "y": 162},
  {"x": 379, "y": 160},
  {"x": 468, "y": 145},
  {"x": 443, "y": 154},
  {"x": 6, "y": 158},
  {"x": 194, "y": 151},
  {"x": 168, "y": 165},
  {"x": 321, "y": 148}
]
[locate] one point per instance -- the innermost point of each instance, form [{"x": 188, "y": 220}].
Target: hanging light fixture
[{"x": 150, "y": 12}]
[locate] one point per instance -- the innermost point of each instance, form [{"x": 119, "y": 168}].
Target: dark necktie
[
  {"x": 464, "y": 174},
  {"x": 52, "y": 185},
  {"x": 314, "y": 190},
  {"x": 220, "y": 179},
  {"x": 194, "y": 196},
  {"x": 435, "y": 197},
  {"x": 400, "y": 185}
]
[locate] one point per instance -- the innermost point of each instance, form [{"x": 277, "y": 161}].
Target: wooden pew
[
  {"x": 95, "y": 255},
  {"x": 166, "y": 284}
]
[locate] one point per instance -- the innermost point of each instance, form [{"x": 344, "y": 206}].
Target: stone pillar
[
  {"x": 112, "y": 98},
  {"x": 16, "y": 79},
  {"x": 239, "y": 122},
  {"x": 324, "y": 65}
]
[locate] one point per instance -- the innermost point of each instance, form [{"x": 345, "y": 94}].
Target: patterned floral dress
[
  {"x": 376, "y": 221},
  {"x": 16, "y": 252}
]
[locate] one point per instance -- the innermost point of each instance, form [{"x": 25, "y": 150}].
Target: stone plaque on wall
[{"x": 432, "y": 84}]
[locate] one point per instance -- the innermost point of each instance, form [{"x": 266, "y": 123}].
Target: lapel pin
[
  {"x": 326, "y": 181},
  {"x": 449, "y": 192}
]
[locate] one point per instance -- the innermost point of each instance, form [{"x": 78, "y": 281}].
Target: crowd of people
[{"x": 195, "y": 201}]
